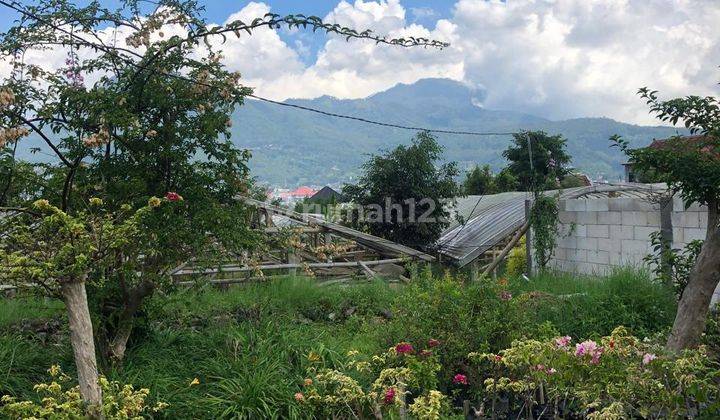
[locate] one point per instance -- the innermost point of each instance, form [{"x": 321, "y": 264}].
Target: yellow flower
[
  {"x": 195, "y": 381},
  {"x": 96, "y": 201},
  {"x": 41, "y": 204},
  {"x": 308, "y": 382},
  {"x": 154, "y": 202},
  {"x": 313, "y": 357}
]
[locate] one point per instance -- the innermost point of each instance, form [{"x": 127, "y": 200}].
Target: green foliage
[
  {"x": 544, "y": 218},
  {"x": 250, "y": 347},
  {"x": 462, "y": 317},
  {"x": 537, "y": 160},
  {"x": 689, "y": 166},
  {"x": 410, "y": 179},
  {"x": 670, "y": 265},
  {"x": 587, "y": 306},
  {"x": 57, "y": 401},
  {"x": 481, "y": 181},
  {"x": 517, "y": 260},
  {"x": 619, "y": 376}
]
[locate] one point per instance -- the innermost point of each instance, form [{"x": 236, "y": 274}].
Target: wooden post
[
  {"x": 528, "y": 240},
  {"x": 666, "y": 234},
  {"x": 474, "y": 270},
  {"x": 292, "y": 259}
]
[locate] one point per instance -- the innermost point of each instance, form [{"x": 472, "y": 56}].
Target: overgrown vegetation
[{"x": 247, "y": 351}]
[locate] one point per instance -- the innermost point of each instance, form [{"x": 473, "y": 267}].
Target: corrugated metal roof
[{"x": 492, "y": 218}]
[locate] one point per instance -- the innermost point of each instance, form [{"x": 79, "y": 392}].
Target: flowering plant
[
  {"x": 395, "y": 382},
  {"x": 59, "y": 401},
  {"x": 618, "y": 374}
]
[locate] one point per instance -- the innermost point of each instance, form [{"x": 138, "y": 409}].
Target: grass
[
  {"x": 248, "y": 346},
  {"x": 588, "y": 306}
]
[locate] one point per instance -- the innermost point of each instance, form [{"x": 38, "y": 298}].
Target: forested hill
[{"x": 292, "y": 146}]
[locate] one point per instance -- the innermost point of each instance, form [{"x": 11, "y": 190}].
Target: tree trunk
[
  {"x": 81, "y": 338},
  {"x": 695, "y": 301},
  {"x": 133, "y": 301}
]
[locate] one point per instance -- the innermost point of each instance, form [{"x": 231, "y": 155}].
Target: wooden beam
[
  {"x": 507, "y": 249},
  {"x": 237, "y": 269}
]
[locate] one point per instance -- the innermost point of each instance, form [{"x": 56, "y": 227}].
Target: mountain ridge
[{"x": 292, "y": 146}]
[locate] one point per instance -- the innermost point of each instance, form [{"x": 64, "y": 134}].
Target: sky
[{"x": 552, "y": 58}]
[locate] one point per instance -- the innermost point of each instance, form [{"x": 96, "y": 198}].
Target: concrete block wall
[{"x": 597, "y": 234}]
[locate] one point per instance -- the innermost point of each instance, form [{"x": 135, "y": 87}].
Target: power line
[
  {"x": 110, "y": 50},
  {"x": 384, "y": 124}
]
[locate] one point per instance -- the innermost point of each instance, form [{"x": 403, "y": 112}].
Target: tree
[
  {"x": 506, "y": 181},
  {"x": 402, "y": 193},
  {"x": 479, "y": 181},
  {"x": 44, "y": 247},
  {"x": 691, "y": 168},
  {"x": 155, "y": 119},
  {"x": 537, "y": 160}
]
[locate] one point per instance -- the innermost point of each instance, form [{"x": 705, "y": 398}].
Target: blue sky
[{"x": 555, "y": 59}]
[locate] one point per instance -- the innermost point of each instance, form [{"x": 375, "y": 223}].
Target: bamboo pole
[{"x": 507, "y": 249}]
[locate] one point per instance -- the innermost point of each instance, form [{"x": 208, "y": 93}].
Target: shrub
[
  {"x": 618, "y": 377},
  {"x": 517, "y": 260},
  {"x": 389, "y": 384},
  {"x": 462, "y": 317},
  {"x": 58, "y": 402}
]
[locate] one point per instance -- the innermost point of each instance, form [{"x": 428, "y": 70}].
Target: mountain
[{"x": 291, "y": 146}]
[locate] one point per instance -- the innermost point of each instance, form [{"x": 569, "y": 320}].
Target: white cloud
[{"x": 553, "y": 58}]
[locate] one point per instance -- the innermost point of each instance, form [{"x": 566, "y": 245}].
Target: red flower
[
  {"x": 433, "y": 342},
  {"x": 460, "y": 379},
  {"x": 403, "y": 348},
  {"x": 389, "y": 396},
  {"x": 498, "y": 358},
  {"x": 173, "y": 196},
  {"x": 505, "y": 295},
  {"x": 425, "y": 353}
]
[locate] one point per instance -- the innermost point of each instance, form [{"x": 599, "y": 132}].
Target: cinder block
[
  {"x": 631, "y": 246},
  {"x": 577, "y": 255},
  {"x": 580, "y": 231},
  {"x": 597, "y": 204},
  {"x": 587, "y": 218},
  {"x": 622, "y": 232},
  {"x": 642, "y": 233},
  {"x": 559, "y": 253},
  {"x": 678, "y": 204},
  {"x": 690, "y": 219},
  {"x": 643, "y": 205},
  {"x": 605, "y": 244},
  {"x": 703, "y": 219},
  {"x": 567, "y": 217},
  {"x": 616, "y": 258},
  {"x": 587, "y": 243},
  {"x": 610, "y": 218},
  {"x": 600, "y": 257},
  {"x": 691, "y": 234},
  {"x": 598, "y": 231},
  {"x": 676, "y": 218},
  {"x": 569, "y": 242},
  {"x": 634, "y": 218},
  {"x": 575, "y": 204},
  {"x": 620, "y": 204},
  {"x": 678, "y": 236},
  {"x": 653, "y": 218}
]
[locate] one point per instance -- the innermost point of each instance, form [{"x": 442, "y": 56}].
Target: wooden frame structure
[{"x": 329, "y": 251}]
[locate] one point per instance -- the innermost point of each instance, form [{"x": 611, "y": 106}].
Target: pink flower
[
  {"x": 498, "y": 358},
  {"x": 433, "y": 342},
  {"x": 299, "y": 397},
  {"x": 173, "y": 196},
  {"x": 505, "y": 295},
  {"x": 551, "y": 371},
  {"x": 403, "y": 348},
  {"x": 389, "y": 396},
  {"x": 589, "y": 348},
  {"x": 425, "y": 353},
  {"x": 540, "y": 367},
  {"x": 460, "y": 379},
  {"x": 648, "y": 357},
  {"x": 563, "y": 342}
]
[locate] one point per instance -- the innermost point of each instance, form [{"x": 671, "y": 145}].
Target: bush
[
  {"x": 120, "y": 402},
  {"x": 618, "y": 377},
  {"x": 517, "y": 260},
  {"x": 462, "y": 317}
]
